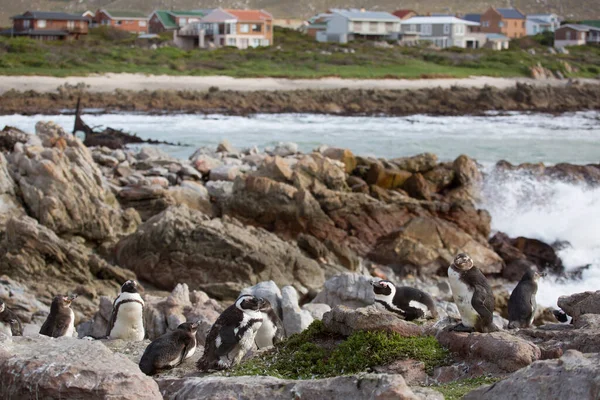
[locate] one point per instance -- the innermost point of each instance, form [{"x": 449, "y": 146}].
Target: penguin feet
[{"x": 461, "y": 328}]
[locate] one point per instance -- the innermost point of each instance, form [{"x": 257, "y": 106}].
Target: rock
[
  {"x": 193, "y": 198},
  {"x": 351, "y": 290},
  {"x": 188, "y": 171},
  {"x": 275, "y": 168},
  {"x": 219, "y": 189},
  {"x": 516, "y": 262},
  {"x": 11, "y": 207},
  {"x": 205, "y": 163},
  {"x": 285, "y": 149},
  {"x": 418, "y": 187},
  {"x": 225, "y": 173},
  {"x": 357, "y": 185},
  {"x": 226, "y": 147},
  {"x": 579, "y": 304},
  {"x": 267, "y": 290},
  {"x": 317, "y": 310},
  {"x": 43, "y": 367},
  {"x": 313, "y": 171},
  {"x": 507, "y": 352},
  {"x": 351, "y": 387},
  {"x": 197, "y": 187},
  {"x": 412, "y": 371},
  {"x": 466, "y": 171},
  {"x": 104, "y": 160},
  {"x": 346, "y": 321},
  {"x": 157, "y": 171},
  {"x": 386, "y": 178},
  {"x": 419, "y": 163},
  {"x": 441, "y": 177},
  {"x": 148, "y": 201},
  {"x": 151, "y": 153},
  {"x": 427, "y": 245},
  {"x": 540, "y": 253},
  {"x": 62, "y": 187},
  {"x": 295, "y": 320},
  {"x": 339, "y": 254},
  {"x": 9, "y": 136},
  {"x": 21, "y": 300},
  {"x": 573, "y": 376},
  {"x": 343, "y": 155},
  {"x": 183, "y": 245}
]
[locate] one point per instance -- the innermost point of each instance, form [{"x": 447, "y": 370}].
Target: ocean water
[{"x": 548, "y": 210}]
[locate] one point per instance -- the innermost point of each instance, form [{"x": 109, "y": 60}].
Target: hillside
[{"x": 572, "y": 9}]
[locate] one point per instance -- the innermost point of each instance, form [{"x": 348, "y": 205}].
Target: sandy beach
[{"x": 137, "y": 82}]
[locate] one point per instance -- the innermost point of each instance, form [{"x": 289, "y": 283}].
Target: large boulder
[
  {"x": 539, "y": 253},
  {"x": 65, "y": 368},
  {"x": 516, "y": 262},
  {"x": 183, "y": 245},
  {"x": 295, "y": 320},
  {"x": 501, "y": 349},
  {"x": 343, "y": 155},
  {"x": 573, "y": 376},
  {"x": 387, "y": 178},
  {"x": 352, "y": 387},
  {"x": 419, "y": 163},
  {"x": 351, "y": 290},
  {"x": 315, "y": 170},
  {"x": 426, "y": 245},
  {"x": 11, "y": 207},
  {"x": 146, "y": 200},
  {"x": 579, "y": 304},
  {"x": 346, "y": 321},
  {"x": 62, "y": 187}
]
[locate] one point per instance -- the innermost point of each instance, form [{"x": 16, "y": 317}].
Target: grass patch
[
  {"x": 456, "y": 390},
  {"x": 316, "y": 353}
]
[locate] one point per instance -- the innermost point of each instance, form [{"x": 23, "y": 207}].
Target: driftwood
[{"x": 109, "y": 137}]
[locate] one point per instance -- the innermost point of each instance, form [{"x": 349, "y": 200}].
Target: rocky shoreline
[
  {"x": 570, "y": 96},
  {"x": 307, "y": 231}
]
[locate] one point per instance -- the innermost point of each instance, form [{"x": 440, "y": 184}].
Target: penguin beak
[
  {"x": 373, "y": 282},
  {"x": 195, "y": 326},
  {"x": 72, "y": 297}
]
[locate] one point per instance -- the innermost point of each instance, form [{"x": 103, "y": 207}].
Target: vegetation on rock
[
  {"x": 456, "y": 390},
  {"x": 316, "y": 353}
]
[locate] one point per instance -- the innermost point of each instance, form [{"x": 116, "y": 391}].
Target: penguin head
[
  {"x": 61, "y": 301},
  {"x": 248, "y": 302},
  {"x": 266, "y": 306},
  {"x": 2, "y": 306},
  {"x": 383, "y": 288},
  {"x": 560, "y": 316},
  {"x": 191, "y": 327},
  {"x": 463, "y": 262},
  {"x": 532, "y": 275},
  {"x": 130, "y": 286}
]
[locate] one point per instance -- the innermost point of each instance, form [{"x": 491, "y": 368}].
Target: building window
[
  {"x": 42, "y": 23},
  {"x": 486, "y": 24},
  {"x": 373, "y": 27},
  {"x": 70, "y": 24},
  {"x": 413, "y": 28},
  {"x": 426, "y": 29},
  {"x": 119, "y": 22},
  {"x": 389, "y": 27},
  {"x": 182, "y": 21},
  {"x": 26, "y": 23},
  {"x": 357, "y": 26},
  {"x": 568, "y": 35},
  {"x": 523, "y": 24},
  {"x": 142, "y": 23},
  {"x": 264, "y": 42},
  {"x": 446, "y": 29},
  {"x": 500, "y": 24},
  {"x": 256, "y": 28},
  {"x": 231, "y": 42},
  {"x": 244, "y": 28},
  {"x": 268, "y": 28},
  {"x": 459, "y": 29},
  {"x": 255, "y": 42}
]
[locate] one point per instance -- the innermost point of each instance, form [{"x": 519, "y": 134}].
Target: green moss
[
  {"x": 316, "y": 353},
  {"x": 456, "y": 390}
]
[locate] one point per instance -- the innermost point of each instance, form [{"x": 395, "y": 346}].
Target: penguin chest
[
  {"x": 129, "y": 322},
  {"x": 463, "y": 295},
  {"x": 70, "y": 332},
  {"x": 265, "y": 334},
  {"x": 187, "y": 355},
  {"x": 5, "y": 329}
]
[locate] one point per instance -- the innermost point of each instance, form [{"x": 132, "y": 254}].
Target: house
[
  {"x": 342, "y": 26},
  {"x": 163, "y": 20},
  {"x": 443, "y": 31},
  {"x": 130, "y": 21},
  {"x": 288, "y": 23},
  {"x": 537, "y": 23},
  {"x": 506, "y": 21},
  {"x": 227, "y": 27},
  {"x": 45, "y": 25},
  {"x": 405, "y": 14},
  {"x": 496, "y": 41},
  {"x": 474, "y": 18},
  {"x": 89, "y": 15},
  {"x": 576, "y": 35}
]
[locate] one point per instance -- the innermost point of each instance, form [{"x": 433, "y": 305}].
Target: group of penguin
[{"x": 251, "y": 321}]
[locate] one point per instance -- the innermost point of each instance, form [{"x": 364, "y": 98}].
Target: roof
[
  {"x": 61, "y": 16},
  {"x": 579, "y": 27},
  {"x": 496, "y": 36},
  {"x": 124, "y": 14},
  {"x": 249, "y": 15},
  {"x": 539, "y": 21},
  {"x": 165, "y": 18},
  {"x": 438, "y": 20},
  {"x": 473, "y": 17},
  {"x": 36, "y": 32},
  {"x": 195, "y": 13},
  {"x": 510, "y": 13},
  {"x": 403, "y": 13},
  {"x": 356, "y": 14}
]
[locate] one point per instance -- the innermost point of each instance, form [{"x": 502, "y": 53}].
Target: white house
[
  {"x": 343, "y": 26},
  {"x": 443, "y": 31},
  {"x": 537, "y": 23}
]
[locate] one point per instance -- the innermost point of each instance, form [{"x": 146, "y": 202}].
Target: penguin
[
  {"x": 473, "y": 296},
  {"x": 562, "y": 317},
  {"x": 271, "y": 331},
  {"x": 10, "y": 325},
  {"x": 171, "y": 349},
  {"x": 232, "y": 334},
  {"x": 127, "y": 318},
  {"x": 404, "y": 301},
  {"x": 522, "y": 304},
  {"x": 61, "y": 320}
]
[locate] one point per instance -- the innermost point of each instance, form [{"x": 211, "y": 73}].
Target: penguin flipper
[
  {"x": 229, "y": 339},
  {"x": 60, "y": 327},
  {"x": 12, "y": 319},
  {"x": 483, "y": 303}
]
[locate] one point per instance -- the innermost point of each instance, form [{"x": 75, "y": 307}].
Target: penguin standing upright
[
  {"x": 170, "y": 349},
  {"x": 10, "y": 325},
  {"x": 232, "y": 334},
  {"x": 473, "y": 296},
  {"x": 271, "y": 331},
  {"x": 61, "y": 320},
  {"x": 403, "y": 300},
  {"x": 127, "y": 318},
  {"x": 522, "y": 304}
]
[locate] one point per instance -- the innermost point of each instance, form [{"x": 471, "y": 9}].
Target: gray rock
[
  {"x": 119, "y": 155},
  {"x": 295, "y": 320},
  {"x": 267, "y": 290},
  {"x": 351, "y": 290},
  {"x": 157, "y": 171},
  {"x": 579, "y": 304},
  {"x": 205, "y": 163},
  {"x": 346, "y": 321},
  {"x": 353, "y": 387},
  {"x": 104, "y": 160},
  {"x": 11, "y": 207},
  {"x": 196, "y": 187},
  {"x": 226, "y": 147},
  {"x": 148, "y": 153},
  {"x": 219, "y": 189},
  {"x": 573, "y": 376},
  {"x": 285, "y": 149},
  {"x": 225, "y": 173},
  {"x": 189, "y": 171},
  {"x": 316, "y": 310}
]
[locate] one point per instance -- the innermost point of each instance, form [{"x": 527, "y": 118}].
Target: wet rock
[
  {"x": 346, "y": 321},
  {"x": 418, "y": 187},
  {"x": 187, "y": 245},
  {"x": 352, "y": 387},
  {"x": 351, "y": 290},
  {"x": 386, "y": 178},
  {"x": 579, "y": 304},
  {"x": 540, "y": 253},
  {"x": 440, "y": 177},
  {"x": 516, "y": 263},
  {"x": 295, "y": 320},
  {"x": 62, "y": 187},
  {"x": 42, "y": 367},
  {"x": 501, "y": 349},
  {"x": 343, "y": 155},
  {"x": 419, "y": 163},
  {"x": 573, "y": 376}
]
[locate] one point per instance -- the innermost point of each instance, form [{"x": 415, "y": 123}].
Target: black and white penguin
[
  {"x": 232, "y": 334},
  {"x": 522, "y": 304},
  {"x": 61, "y": 320},
  {"x": 271, "y": 331},
  {"x": 10, "y": 325},
  {"x": 562, "y": 317},
  {"x": 473, "y": 296},
  {"x": 403, "y": 300},
  {"x": 127, "y": 318},
  {"x": 170, "y": 349}
]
